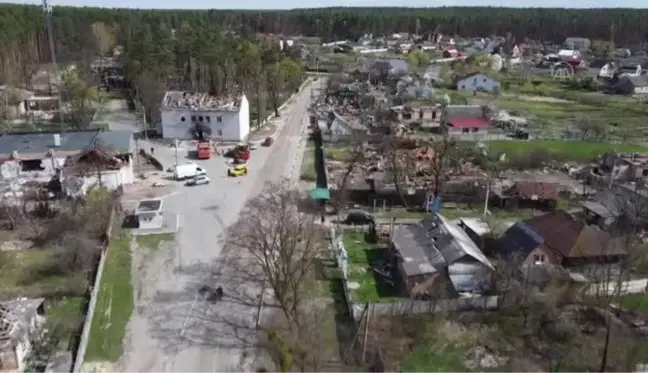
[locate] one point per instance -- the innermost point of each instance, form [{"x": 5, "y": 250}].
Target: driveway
[{"x": 171, "y": 329}]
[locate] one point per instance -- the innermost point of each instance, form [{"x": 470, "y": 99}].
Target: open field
[
  {"x": 114, "y": 302},
  {"x": 578, "y": 151}
]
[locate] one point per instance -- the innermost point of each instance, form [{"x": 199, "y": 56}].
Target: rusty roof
[
  {"x": 572, "y": 238},
  {"x": 535, "y": 190}
]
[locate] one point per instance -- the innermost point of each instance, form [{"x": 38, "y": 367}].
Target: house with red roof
[{"x": 460, "y": 119}]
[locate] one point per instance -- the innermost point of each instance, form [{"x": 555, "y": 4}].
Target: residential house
[
  {"x": 578, "y": 43},
  {"x": 408, "y": 89},
  {"x": 450, "y": 52},
  {"x": 558, "y": 238},
  {"x": 458, "y": 119},
  {"x": 191, "y": 115},
  {"x": 387, "y": 69},
  {"x": 41, "y": 157},
  {"x": 436, "y": 256},
  {"x": 425, "y": 116},
  {"x": 433, "y": 73},
  {"x": 631, "y": 85},
  {"x": 629, "y": 167},
  {"x": 17, "y": 100},
  {"x": 20, "y": 323},
  {"x": 478, "y": 82},
  {"x": 618, "y": 207},
  {"x": 533, "y": 194}
]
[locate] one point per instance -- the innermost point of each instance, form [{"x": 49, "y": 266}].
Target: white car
[{"x": 198, "y": 180}]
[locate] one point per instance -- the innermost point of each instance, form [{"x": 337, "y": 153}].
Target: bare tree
[{"x": 281, "y": 242}]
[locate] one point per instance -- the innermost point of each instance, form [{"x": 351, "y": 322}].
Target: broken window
[
  {"x": 219, "y": 119},
  {"x": 31, "y": 165},
  {"x": 208, "y": 118},
  {"x": 539, "y": 258},
  {"x": 182, "y": 119},
  {"x": 407, "y": 115},
  {"x": 200, "y": 118},
  {"x": 193, "y": 118},
  {"x": 466, "y": 130}
]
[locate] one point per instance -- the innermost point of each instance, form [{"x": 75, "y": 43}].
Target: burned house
[
  {"x": 71, "y": 158},
  {"x": 617, "y": 208},
  {"x": 20, "y": 323},
  {"x": 437, "y": 258},
  {"x": 529, "y": 194}
]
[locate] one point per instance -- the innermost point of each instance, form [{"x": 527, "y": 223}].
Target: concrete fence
[
  {"x": 421, "y": 307},
  {"x": 611, "y": 288},
  {"x": 87, "y": 325}
]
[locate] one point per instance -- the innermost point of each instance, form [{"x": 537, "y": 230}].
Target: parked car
[
  {"x": 198, "y": 180},
  {"x": 267, "y": 142},
  {"x": 359, "y": 218},
  {"x": 239, "y": 170}
]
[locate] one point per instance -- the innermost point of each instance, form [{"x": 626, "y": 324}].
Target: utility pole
[{"x": 47, "y": 9}]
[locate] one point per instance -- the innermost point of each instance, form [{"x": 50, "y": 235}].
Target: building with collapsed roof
[
  {"x": 20, "y": 322},
  {"x": 192, "y": 115},
  {"x": 436, "y": 256},
  {"x": 76, "y": 161}
]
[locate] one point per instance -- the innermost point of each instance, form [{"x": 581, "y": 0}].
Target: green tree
[{"x": 79, "y": 97}]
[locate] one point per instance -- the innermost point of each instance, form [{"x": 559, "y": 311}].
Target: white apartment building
[{"x": 191, "y": 115}]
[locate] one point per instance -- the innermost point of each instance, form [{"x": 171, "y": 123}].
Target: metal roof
[{"x": 37, "y": 144}]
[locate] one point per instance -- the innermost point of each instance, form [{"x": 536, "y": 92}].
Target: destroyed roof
[
  {"x": 535, "y": 190},
  {"x": 434, "y": 244},
  {"x": 16, "y": 316},
  {"x": 463, "y": 111},
  {"x": 200, "y": 101},
  {"x": 38, "y": 144}
]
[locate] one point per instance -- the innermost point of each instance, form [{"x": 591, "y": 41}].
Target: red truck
[{"x": 204, "y": 149}]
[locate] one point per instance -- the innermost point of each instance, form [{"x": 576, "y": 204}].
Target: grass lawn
[
  {"x": 432, "y": 357},
  {"x": 65, "y": 317},
  {"x": 360, "y": 256},
  {"x": 153, "y": 241},
  {"x": 22, "y": 275},
  {"x": 307, "y": 171},
  {"x": 114, "y": 303},
  {"x": 635, "y": 302},
  {"x": 579, "y": 151}
]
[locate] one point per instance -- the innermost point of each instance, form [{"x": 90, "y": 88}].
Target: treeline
[{"x": 159, "y": 53}]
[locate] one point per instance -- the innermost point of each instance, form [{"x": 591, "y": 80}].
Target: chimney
[{"x": 57, "y": 140}]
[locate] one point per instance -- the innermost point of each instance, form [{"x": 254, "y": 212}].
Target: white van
[{"x": 187, "y": 171}]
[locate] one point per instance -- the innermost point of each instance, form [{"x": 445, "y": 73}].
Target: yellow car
[{"x": 240, "y": 170}]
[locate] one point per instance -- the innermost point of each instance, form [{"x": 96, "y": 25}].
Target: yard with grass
[
  {"x": 65, "y": 319},
  {"x": 114, "y": 303},
  {"x": 362, "y": 255},
  {"x": 24, "y": 273},
  {"x": 578, "y": 151}
]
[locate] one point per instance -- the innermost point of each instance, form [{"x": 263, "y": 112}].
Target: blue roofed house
[{"x": 435, "y": 256}]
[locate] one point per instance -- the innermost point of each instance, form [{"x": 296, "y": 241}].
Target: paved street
[{"x": 173, "y": 331}]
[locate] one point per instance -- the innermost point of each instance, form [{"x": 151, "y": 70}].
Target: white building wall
[
  {"x": 478, "y": 82},
  {"x": 225, "y": 125},
  {"x": 244, "y": 119}
]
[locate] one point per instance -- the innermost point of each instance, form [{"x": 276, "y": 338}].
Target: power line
[{"x": 47, "y": 9}]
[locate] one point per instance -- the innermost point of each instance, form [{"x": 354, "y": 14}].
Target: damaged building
[{"x": 69, "y": 163}]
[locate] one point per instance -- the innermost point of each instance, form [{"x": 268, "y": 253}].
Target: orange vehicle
[{"x": 204, "y": 149}]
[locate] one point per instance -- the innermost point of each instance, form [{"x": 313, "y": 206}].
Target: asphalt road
[{"x": 172, "y": 330}]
